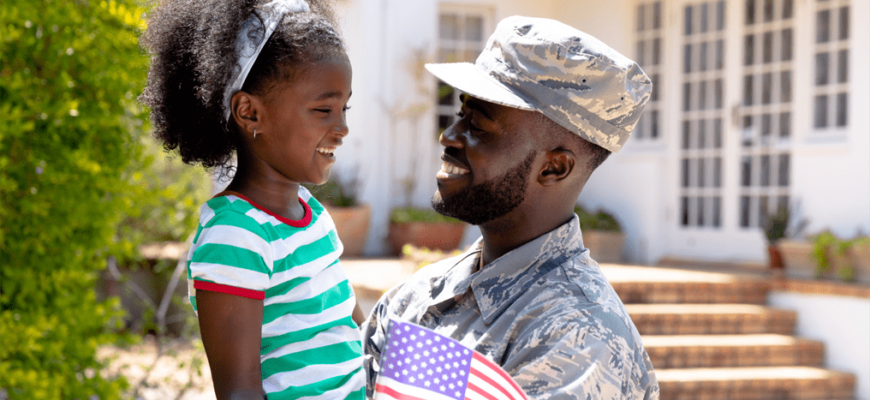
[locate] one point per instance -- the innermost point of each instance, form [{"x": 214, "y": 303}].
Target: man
[{"x": 545, "y": 105}]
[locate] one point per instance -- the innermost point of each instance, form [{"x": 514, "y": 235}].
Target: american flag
[{"x": 418, "y": 364}]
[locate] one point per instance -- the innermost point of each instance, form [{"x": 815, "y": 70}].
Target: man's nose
[{"x": 449, "y": 138}]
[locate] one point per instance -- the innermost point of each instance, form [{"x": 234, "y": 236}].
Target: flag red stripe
[
  {"x": 480, "y": 358},
  {"x": 482, "y": 392},
  {"x": 490, "y": 381},
  {"x": 398, "y": 395}
]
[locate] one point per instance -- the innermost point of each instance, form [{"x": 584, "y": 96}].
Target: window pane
[
  {"x": 746, "y": 171},
  {"x": 744, "y": 211},
  {"x": 449, "y": 26},
  {"x": 823, "y": 28},
  {"x": 785, "y": 86},
  {"x": 700, "y": 211},
  {"x": 687, "y": 96},
  {"x": 702, "y": 172},
  {"x": 785, "y": 124},
  {"x": 844, "y": 23},
  {"x": 762, "y": 210},
  {"x": 688, "y": 20},
  {"x": 787, "y": 9},
  {"x": 641, "y": 52},
  {"x": 474, "y": 29},
  {"x": 654, "y": 124},
  {"x": 656, "y": 51},
  {"x": 702, "y": 57},
  {"x": 654, "y": 96},
  {"x": 687, "y": 58},
  {"x": 764, "y": 177},
  {"x": 768, "y": 10},
  {"x": 748, "y": 49},
  {"x": 685, "y": 172},
  {"x": 703, "y": 17},
  {"x": 720, "y": 15},
  {"x": 717, "y": 133},
  {"x": 821, "y": 111},
  {"x": 684, "y": 211},
  {"x": 720, "y": 54},
  {"x": 747, "y": 90},
  {"x": 842, "y": 109},
  {"x": 767, "y": 47},
  {"x": 717, "y": 211},
  {"x": 821, "y": 69},
  {"x": 786, "y": 44},
  {"x": 717, "y": 172},
  {"x": 444, "y": 122},
  {"x": 657, "y": 15},
  {"x": 766, "y": 87},
  {"x": 766, "y": 125},
  {"x": 702, "y": 134},
  {"x": 784, "y": 169},
  {"x": 641, "y": 16},
  {"x": 842, "y": 66},
  {"x": 750, "y": 12},
  {"x": 687, "y": 132},
  {"x": 445, "y": 94},
  {"x": 702, "y": 95},
  {"x": 640, "y": 128},
  {"x": 718, "y": 93}
]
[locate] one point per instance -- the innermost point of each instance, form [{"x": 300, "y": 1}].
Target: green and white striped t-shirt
[{"x": 310, "y": 346}]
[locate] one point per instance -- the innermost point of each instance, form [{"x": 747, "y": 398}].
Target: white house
[{"x": 757, "y": 103}]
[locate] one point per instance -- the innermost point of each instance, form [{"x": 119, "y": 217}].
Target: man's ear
[
  {"x": 560, "y": 164},
  {"x": 244, "y": 110}
]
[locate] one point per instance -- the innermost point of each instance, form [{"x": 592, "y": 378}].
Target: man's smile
[{"x": 451, "y": 168}]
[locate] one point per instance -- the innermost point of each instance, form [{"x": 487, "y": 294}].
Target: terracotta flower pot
[
  {"x": 431, "y": 235},
  {"x": 796, "y": 256},
  {"x": 774, "y": 257},
  {"x": 861, "y": 259},
  {"x": 604, "y": 246},
  {"x": 352, "y": 225}
]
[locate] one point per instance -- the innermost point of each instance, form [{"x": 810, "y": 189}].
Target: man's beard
[{"x": 492, "y": 199}]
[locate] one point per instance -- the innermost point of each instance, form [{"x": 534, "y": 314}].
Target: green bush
[
  {"x": 70, "y": 130},
  {"x": 600, "y": 221},
  {"x": 409, "y": 214}
]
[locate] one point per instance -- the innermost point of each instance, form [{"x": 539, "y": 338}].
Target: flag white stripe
[
  {"x": 409, "y": 390},
  {"x": 495, "y": 376},
  {"x": 297, "y": 322},
  {"x": 309, "y": 375},
  {"x": 485, "y": 388}
]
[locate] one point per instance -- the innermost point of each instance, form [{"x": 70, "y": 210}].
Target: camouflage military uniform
[{"x": 543, "y": 311}]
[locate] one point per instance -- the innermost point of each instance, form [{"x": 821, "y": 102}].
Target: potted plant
[
  {"x": 601, "y": 235},
  {"x": 782, "y": 230},
  {"x": 860, "y": 254},
  {"x": 423, "y": 228},
  {"x": 351, "y": 219}
]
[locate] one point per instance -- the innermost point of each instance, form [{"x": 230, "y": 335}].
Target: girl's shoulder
[{"x": 229, "y": 209}]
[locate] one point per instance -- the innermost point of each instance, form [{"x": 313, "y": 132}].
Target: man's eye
[{"x": 460, "y": 114}]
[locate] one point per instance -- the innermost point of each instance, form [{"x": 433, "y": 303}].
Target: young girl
[{"x": 268, "y": 82}]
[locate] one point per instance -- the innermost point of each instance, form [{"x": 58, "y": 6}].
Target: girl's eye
[
  {"x": 323, "y": 110},
  {"x": 345, "y": 108}
]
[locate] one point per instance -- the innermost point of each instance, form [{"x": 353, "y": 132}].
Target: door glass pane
[
  {"x": 744, "y": 211},
  {"x": 844, "y": 23},
  {"x": 687, "y": 58},
  {"x": 720, "y": 15},
  {"x": 787, "y": 9},
  {"x": 641, "y": 52},
  {"x": 750, "y": 12},
  {"x": 842, "y": 109},
  {"x": 785, "y": 124},
  {"x": 823, "y": 28},
  {"x": 686, "y": 134},
  {"x": 766, "y": 87},
  {"x": 702, "y": 57},
  {"x": 784, "y": 170},
  {"x": 821, "y": 111},
  {"x": 687, "y": 96},
  {"x": 767, "y": 47},
  {"x": 702, "y": 95},
  {"x": 703, "y": 17},
  {"x": 684, "y": 211},
  {"x": 717, "y": 133},
  {"x": 685, "y": 172},
  {"x": 821, "y": 69},
  {"x": 762, "y": 210},
  {"x": 717, "y": 172},
  {"x": 766, "y": 125},
  {"x": 702, "y": 134},
  {"x": 654, "y": 124},
  {"x": 745, "y": 171},
  {"x": 700, "y": 214},
  {"x": 702, "y": 172},
  {"x": 768, "y": 10},
  {"x": 765, "y": 171},
  {"x": 717, "y": 211},
  {"x": 641, "y": 16},
  {"x": 654, "y": 96},
  {"x": 718, "y": 93},
  {"x": 688, "y": 19},
  {"x": 656, "y": 51},
  {"x": 842, "y": 66},
  {"x": 748, "y": 49},
  {"x": 785, "y": 86},
  {"x": 786, "y": 50},
  {"x": 720, "y": 54},
  {"x": 747, "y": 90}
]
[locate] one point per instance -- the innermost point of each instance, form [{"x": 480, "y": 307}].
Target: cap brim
[{"x": 469, "y": 79}]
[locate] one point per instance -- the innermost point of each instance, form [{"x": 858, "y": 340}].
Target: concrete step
[
  {"x": 755, "y": 383},
  {"x": 649, "y": 285},
  {"x": 710, "y": 351},
  {"x": 710, "y": 319}
]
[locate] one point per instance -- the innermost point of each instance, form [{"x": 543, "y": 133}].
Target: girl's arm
[
  {"x": 231, "y": 329},
  {"x": 358, "y": 315}
]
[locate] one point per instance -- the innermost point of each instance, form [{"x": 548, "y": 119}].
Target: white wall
[{"x": 842, "y": 323}]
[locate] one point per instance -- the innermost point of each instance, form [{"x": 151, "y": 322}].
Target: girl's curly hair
[{"x": 193, "y": 56}]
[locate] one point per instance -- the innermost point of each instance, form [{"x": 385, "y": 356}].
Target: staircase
[{"x": 711, "y": 337}]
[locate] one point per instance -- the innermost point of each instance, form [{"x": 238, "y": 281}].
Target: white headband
[{"x": 248, "y": 48}]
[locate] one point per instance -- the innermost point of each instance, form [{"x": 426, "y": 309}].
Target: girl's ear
[{"x": 244, "y": 111}]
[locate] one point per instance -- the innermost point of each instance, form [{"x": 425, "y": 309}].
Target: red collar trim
[{"x": 294, "y": 223}]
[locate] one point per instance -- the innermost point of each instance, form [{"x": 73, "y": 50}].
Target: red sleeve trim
[
  {"x": 235, "y": 291},
  {"x": 302, "y": 223}
]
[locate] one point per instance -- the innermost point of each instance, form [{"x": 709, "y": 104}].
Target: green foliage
[
  {"x": 822, "y": 244},
  {"x": 335, "y": 192},
  {"x": 69, "y": 128},
  {"x": 409, "y": 214},
  {"x": 600, "y": 221},
  {"x": 783, "y": 224}
]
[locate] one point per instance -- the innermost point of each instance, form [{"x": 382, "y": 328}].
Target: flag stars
[
  {"x": 427, "y": 383},
  {"x": 404, "y": 372},
  {"x": 442, "y": 388}
]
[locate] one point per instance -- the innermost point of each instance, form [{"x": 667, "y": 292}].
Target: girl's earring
[{"x": 255, "y": 133}]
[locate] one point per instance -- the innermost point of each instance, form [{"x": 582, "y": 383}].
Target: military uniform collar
[{"x": 502, "y": 281}]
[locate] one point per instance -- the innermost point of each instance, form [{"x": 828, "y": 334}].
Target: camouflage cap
[{"x": 571, "y": 77}]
